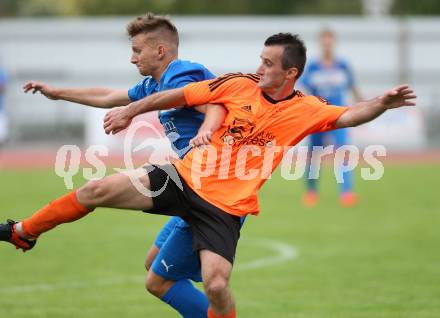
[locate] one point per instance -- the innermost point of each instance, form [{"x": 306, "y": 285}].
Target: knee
[
  {"x": 154, "y": 286},
  {"x": 92, "y": 192},
  {"x": 215, "y": 285}
]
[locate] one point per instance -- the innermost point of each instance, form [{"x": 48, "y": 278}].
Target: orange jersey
[{"x": 249, "y": 145}]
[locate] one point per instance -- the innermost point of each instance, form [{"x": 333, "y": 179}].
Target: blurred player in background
[
  {"x": 171, "y": 261},
  {"x": 331, "y": 78},
  {"x": 3, "y": 118}
]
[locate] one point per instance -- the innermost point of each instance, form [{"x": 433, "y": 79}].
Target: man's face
[
  {"x": 145, "y": 54},
  {"x": 272, "y": 75},
  {"x": 327, "y": 41}
]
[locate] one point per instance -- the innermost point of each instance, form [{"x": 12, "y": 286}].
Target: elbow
[
  {"x": 354, "y": 124},
  {"x": 105, "y": 104},
  {"x": 223, "y": 112}
]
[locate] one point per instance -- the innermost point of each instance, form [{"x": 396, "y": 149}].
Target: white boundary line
[{"x": 283, "y": 253}]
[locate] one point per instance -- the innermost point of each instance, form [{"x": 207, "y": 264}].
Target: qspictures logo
[{"x": 244, "y": 156}]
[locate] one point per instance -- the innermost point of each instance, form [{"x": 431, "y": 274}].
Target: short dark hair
[
  {"x": 150, "y": 23},
  {"x": 295, "y": 52}
]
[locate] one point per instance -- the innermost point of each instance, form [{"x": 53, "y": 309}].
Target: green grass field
[{"x": 380, "y": 259}]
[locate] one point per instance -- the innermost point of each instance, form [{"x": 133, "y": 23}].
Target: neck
[
  {"x": 157, "y": 74},
  {"x": 281, "y": 92},
  {"x": 328, "y": 58}
]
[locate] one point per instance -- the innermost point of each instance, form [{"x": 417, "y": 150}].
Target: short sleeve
[
  {"x": 138, "y": 91},
  {"x": 182, "y": 78},
  {"x": 216, "y": 91},
  {"x": 324, "y": 116},
  {"x": 198, "y": 93},
  {"x": 181, "y": 73}
]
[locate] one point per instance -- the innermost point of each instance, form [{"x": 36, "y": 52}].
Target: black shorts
[{"x": 213, "y": 229}]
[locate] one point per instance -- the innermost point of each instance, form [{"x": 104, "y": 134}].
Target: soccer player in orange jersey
[{"x": 212, "y": 187}]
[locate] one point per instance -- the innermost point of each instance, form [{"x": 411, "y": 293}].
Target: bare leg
[
  {"x": 151, "y": 255},
  {"x": 116, "y": 191},
  {"x": 157, "y": 285},
  {"x": 216, "y": 272}
]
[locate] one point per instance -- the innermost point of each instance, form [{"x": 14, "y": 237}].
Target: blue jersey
[
  {"x": 332, "y": 83},
  {"x": 181, "y": 124},
  {"x": 3, "y": 80}
]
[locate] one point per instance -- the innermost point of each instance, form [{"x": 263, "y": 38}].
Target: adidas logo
[{"x": 247, "y": 108}]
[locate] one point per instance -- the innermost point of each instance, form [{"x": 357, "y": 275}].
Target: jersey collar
[{"x": 273, "y": 101}]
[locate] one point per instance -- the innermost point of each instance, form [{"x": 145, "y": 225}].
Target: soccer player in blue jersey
[
  {"x": 331, "y": 78},
  {"x": 3, "y": 118},
  {"x": 171, "y": 261}
]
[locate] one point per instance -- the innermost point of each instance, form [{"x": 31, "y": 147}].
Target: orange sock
[
  {"x": 231, "y": 314},
  {"x": 62, "y": 210}
]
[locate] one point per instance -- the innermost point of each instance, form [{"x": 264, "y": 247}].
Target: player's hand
[
  {"x": 117, "y": 120},
  {"x": 41, "y": 87},
  {"x": 202, "y": 138},
  {"x": 399, "y": 96}
]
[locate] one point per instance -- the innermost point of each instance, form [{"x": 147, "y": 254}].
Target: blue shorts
[{"x": 176, "y": 259}]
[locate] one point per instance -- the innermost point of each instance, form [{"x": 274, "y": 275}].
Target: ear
[
  {"x": 292, "y": 73},
  {"x": 161, "y": 51}
]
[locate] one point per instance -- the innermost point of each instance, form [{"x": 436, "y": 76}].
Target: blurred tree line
[{"x": 195, "y": 7}]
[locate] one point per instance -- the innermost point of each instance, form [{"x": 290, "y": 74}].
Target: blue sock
[{"x": 187, "y": 300}]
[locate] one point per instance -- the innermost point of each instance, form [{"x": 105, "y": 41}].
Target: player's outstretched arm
[
  {"x": 366, "y": 111},
  {"x": 95, "y": 96},
  {"x": 214, "y": 117},
  {"x": 120, "y": 118}
]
